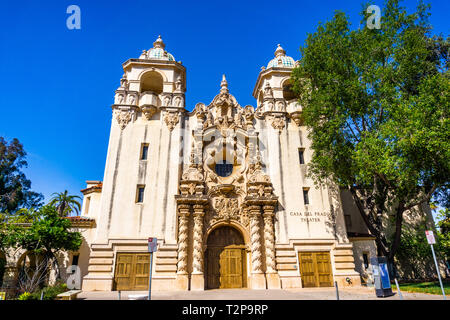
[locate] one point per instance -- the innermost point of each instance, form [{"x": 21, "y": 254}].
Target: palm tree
[{"x": 65, "y": 203}]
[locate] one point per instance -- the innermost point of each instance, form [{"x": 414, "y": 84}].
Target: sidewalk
[{"x": 247, "y": 294}]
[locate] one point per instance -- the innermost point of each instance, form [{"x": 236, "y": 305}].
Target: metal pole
[
  {"x": 337, "y": 290},
  {"x": 119, "y": 294},
  {"x": 150, "y": 277},
  {"x": 398, "y": 289},
  {"x": 439, "y": 274}
]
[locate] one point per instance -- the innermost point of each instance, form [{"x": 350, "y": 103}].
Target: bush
[
  {"x": 25, "y": 296},
  {"x": 50, "y": 293}
]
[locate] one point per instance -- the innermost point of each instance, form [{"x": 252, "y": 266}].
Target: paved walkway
[{"x": 246, "y": 294}]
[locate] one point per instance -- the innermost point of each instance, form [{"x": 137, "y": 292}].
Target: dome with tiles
[
  {"x": 281, "y": 60},
  {"x": 158, "y": 52}
]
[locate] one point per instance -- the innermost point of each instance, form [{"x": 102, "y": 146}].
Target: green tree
[
  {"x": 15, "y": 188},
  {"x": 48, "y": 235},
  {"x": 444, "y": 232},
  {"x": 65, "y": 203},
  {"x": 376, "y": 102}
]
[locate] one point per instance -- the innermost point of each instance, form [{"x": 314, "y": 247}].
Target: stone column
[
  {"x": 258, "y": 280},
  {"x": 182, "y": 281},
  {"x": 197, "y": 277},
  {"x": 272, "y": 277}
]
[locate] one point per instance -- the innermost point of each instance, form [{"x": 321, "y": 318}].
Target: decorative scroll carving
[
  {"x": 182, "y": 238},
  {"x": 171, "y": 119},
  {"x": 269, "y": 239}
]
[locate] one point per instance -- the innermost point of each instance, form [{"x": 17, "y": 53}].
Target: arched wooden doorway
[{"x": 225, "y": 259}]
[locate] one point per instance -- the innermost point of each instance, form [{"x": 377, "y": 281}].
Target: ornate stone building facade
[{"x": 223, "y": 188}]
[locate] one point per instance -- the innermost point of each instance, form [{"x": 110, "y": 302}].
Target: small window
[
  {"x": 305, "y": 195},
  {"x": 144, "y": 151},
  {"x": 86, "y": 206},
  {"x": 140, "y": 194},
  {"x": 224, "y": 169},
  {"x": 301, "y": 156},
  {"x": 366, "y": 260},
  {"x": 75, "y": 259}
]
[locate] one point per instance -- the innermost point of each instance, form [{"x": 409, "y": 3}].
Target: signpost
[
  {"x": 152, "y": 247},
  {"x": 431, "y": 241}
]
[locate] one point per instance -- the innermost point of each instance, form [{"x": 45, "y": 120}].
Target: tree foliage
[
  {"x": 376, "y": 102},
  {"x": 65, "y": 203},
  {"x": 15, "y": 188}
]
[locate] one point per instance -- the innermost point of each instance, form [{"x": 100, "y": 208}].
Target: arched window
[
  {"x": 288, "y": 93},
  {"x": 152, "y": 81}
]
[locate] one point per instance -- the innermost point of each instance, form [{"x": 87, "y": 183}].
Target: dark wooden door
[
  {"x": 132, "y": 271},
  {"x": 315, "y": 269},
  {"x": 225, "y": 260}
]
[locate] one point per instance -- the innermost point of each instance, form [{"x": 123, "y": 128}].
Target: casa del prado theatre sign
[{"x": 308, "y": 216}]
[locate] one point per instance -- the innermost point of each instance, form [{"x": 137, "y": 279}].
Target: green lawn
[{"x": 424, "y": 287}]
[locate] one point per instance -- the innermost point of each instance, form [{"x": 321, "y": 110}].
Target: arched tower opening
[{"x": 152, "y": 81}]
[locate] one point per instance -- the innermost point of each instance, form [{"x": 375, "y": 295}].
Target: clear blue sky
[{"x": 57, "y": 85}]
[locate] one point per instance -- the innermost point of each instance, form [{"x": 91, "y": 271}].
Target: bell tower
[{"x": 154, "y": 82}]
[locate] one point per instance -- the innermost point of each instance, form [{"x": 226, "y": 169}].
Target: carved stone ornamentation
[
  {"x": 197, "y": 263},
  {"x": 171, "y": 119},
  {"x": 226, "y": 208},
  {"x": 149, "y": 111},
  {"x": 278, "y": 123},
  {"x": 269, "y": 239},
  {"x": 254, "y": 212},
  {"x": 182, "y": 238},
  {"x": 123, "y": 117}
]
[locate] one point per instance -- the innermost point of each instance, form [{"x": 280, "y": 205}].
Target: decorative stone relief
[
  {"x": 255, "y": 239},
  {"x": 124, "y": 117},
  {"x": 269, "y": 239},
  {"x": 198, "y": 239},
  {"x": 171, "y": 119},
  {"x": 278, "y": 123},
  {"x": 149, "y": 111},
  {"x": 182, "y": 238}
]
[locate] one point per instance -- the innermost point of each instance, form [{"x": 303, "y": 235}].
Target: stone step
[
  {"x": 166, "y": 254},
  {"x": 166, "y": 261},
  {"x": 166, "y": 268},
  {"x": 289, "y": 266},
  {"x": 286, "y": 260},
  {"x": 339, "y": 259},
  {"x": 99, "y": 268},
  {"x": 101, "y": 261},
  {"x": 101, "y": 254}
]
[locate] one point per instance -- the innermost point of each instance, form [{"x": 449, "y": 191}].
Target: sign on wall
[{"x": 152, "y": 244}]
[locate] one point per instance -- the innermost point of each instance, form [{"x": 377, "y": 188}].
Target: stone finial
[
  {"x": 279, "y": 51},
  {"x": 159, "y": 43},
  {"x": 224, "y": 85}
]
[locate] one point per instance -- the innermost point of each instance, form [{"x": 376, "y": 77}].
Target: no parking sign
[{"x": 152, "y": 244}]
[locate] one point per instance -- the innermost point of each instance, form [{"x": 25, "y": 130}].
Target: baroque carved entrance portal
[{"x": 225, "y": 259}]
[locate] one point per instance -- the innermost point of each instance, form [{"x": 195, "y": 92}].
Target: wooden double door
[
  {"x": 225, "y": 261},
  {"x": 132, "y": 271},
  {"x": 315, "y": 269}
]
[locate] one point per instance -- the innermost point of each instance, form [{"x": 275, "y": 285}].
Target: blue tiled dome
[
  {"x": 158, "y": 52},
  {"x": 281, "y": 60}
]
